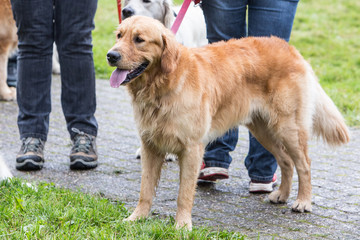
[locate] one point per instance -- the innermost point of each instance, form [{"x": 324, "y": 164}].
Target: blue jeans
[
  {"x": 69, "y": 23},
  {"x": 226, "y": 19}
]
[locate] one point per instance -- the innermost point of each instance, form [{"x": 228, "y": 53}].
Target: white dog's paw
[
  {"x": 277, "y": 197},
  {"x": 138, "y": 153},
  {"x": 302, "y": 206},
  {"x": 55, "y": 61},
  {"x": 169, "y": 156}
]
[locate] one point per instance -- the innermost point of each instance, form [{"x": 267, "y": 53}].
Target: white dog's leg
[
  {"x": 169, "y": 157},
  {"x": 55, "y": 61},
  {"x": 4, "y": 170}
]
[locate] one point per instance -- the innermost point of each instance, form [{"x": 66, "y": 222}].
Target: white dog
[{"x": 192, "y": 31}]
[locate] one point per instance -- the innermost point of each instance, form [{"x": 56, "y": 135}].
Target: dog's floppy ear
[
  {"x": 169, "y": 14},
  {"x": 170, "y": 54}
]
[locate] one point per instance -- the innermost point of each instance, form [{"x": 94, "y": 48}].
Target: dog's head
[
  {"x": 143, "y": 46},
  {"x": 158, "y": 9}
]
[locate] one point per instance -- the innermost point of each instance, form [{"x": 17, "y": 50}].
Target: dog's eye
[
  {"x": 139, "y": 39},
  {"x": 118, "y": 35},
  {"x": 146, "y": 1}
]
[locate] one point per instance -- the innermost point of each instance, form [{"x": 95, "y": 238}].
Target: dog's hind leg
[
  {"x": 151, "y": 163},
  {"x": 287, "y": 170},
  {"x": 296, "y": 146},
  {"x": 189, "y": 161},
  {"x": 294, "y": 138},
  {"x": 264, "y": 135}
]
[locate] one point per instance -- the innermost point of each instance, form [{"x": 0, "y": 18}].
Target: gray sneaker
[
  {"x": 83, "y": 154},
  {"x": 31, "y": 154}
]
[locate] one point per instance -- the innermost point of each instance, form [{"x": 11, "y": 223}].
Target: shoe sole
[
  {"x": 213, "y": 173},
  {"x": 29, "y": 165},
  {"x": 214, "y": 177},
  {"x": 262, "y": 187},
  {"x": 81, "y": 164}
]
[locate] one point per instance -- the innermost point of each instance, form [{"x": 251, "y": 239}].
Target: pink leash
[{"x": 181, "y": 14}]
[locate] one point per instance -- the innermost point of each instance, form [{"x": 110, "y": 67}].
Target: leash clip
[{"x": 197, "y": 3}]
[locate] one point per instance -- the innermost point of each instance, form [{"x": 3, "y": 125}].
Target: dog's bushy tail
[{"x": 328, "y": 122}]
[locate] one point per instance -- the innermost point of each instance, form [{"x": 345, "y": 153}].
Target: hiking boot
[
  {"x": 30, "y": 156},
  {"x": 212, "y": 173},
  {"x": 262, "y": 187},
  {"x": 83, "y": 154}
]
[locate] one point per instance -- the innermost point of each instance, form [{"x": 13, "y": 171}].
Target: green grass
[
  {"x": 48, "y": 212},
  {"x": 327, "y": 34},
  {"x": 325, "y": 31}
]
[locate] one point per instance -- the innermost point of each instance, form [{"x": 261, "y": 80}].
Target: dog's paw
[
  {"x": 135, "y": 216},
  {"x": 56, "y": 69},
  {"x": 8, "y": 94},
  {"x": 302, "y": 206},
  {"x": 129, "y": 219},
  {"x": 185, "y": 224},
  {"x": 277, "y": 197},
  {"x": 170, "y": 157},
  {"x": 138, "y": 153}
]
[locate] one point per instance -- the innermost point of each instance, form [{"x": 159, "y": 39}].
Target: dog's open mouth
[{"x": 122, "y": 76}]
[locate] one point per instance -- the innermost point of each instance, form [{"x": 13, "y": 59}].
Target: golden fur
[
  {"x": 8, "y": 42},
  {"x": 187, "y": 97}
]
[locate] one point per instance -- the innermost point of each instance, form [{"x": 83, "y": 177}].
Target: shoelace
[
  {"x": 82, "y": 141},
  {"x": 32, "y": 144}
]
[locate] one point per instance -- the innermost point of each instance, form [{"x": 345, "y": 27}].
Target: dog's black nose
[
  {"x": 113, "y": 57},
  {"x": 127, "y": 12}
]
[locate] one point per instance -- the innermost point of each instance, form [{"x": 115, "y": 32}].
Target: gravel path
[{"x": 224, "y": 205}]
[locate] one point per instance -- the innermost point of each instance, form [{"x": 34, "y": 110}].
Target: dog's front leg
[
  {"x": 189, "y": 161},
  {"x": 151, "y": 163},
  {"x": 6, "y": 93}
]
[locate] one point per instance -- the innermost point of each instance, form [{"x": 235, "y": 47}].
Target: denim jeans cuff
[
  {"x": 85, "y": 130},
  {"x": 261, "y": 178},
  {"x": 34, "y": 135},
  {"x": 216, "y": 163}
]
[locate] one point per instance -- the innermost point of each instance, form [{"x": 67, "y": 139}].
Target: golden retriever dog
[
  {"x": 8, "y": 42},
  {"x": 183, "y": 98}
]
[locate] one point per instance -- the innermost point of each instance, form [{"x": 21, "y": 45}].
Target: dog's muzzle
[
  {"x": 127, "y": 12},
  {"x": 113, "y": 57}
]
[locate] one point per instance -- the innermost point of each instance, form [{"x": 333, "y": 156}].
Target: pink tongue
[{"x": 117, "y": 77}]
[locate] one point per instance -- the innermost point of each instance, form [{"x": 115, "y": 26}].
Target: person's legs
[
  {"x": 267, "y": 18},
  {"x": 271, "y": 18},
  {"x": 217, "y": 152},
  {"x": 217, "y": 157},
  {"x": 224, "y": 20},
  {"x": 34, "y": 20},
  {"x": 74, "y": 21},
  {"x": 12, "y": 70},
  {"x": 260, "y": 163}
]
